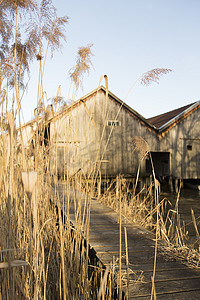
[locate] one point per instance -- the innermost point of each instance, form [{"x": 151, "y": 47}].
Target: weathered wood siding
[
  {"x": 117, "y": 145},
  {"x": 183, "y": 143},
  {"x": 75, "y": 138},
  {"x": 81, "y": 137}
]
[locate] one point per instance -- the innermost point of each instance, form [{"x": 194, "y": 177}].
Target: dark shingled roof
[{"x": 162, "y": 119}]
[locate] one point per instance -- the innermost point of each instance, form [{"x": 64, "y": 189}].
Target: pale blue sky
[{"x": 130, "y": 37}]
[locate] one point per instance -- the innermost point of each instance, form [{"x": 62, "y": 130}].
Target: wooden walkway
[{"x": 173, "y": 280}]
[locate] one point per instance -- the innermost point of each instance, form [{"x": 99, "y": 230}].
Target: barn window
[
  {"x": 113, "y": 123},
  {"x": 189, "y": 147}
]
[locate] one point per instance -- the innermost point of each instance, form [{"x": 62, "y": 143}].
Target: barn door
[{"x": 161, "y": 164}]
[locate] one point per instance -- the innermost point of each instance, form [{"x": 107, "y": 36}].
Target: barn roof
[{"x": 171, "y": 118}]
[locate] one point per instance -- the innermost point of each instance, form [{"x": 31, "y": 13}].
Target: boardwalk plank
[{"x": 173, "y": 280}]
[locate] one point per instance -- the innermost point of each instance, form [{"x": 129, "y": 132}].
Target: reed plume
[
  {"x": 141, "y": 146},
  {"x": 153, "y": 75},
  {"x": 83, "y": 65}
]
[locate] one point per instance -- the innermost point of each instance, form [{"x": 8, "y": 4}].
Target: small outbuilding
[{"x": 179, "y": 137}]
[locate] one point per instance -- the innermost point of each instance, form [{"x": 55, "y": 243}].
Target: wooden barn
[{"x": 97, "y": 133}]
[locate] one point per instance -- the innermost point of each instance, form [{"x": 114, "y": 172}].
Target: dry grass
[
  {"x": 35, "y": 228},
  {"x": 172, "y": 233},
  {"x": 42, "y": 254},
  {"x": 51, "y": 255},
  {"x": 176, "y": 240}
]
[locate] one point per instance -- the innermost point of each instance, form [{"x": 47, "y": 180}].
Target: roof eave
[{"x": 178, "y": 117}]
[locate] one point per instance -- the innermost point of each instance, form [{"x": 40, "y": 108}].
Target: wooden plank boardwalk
[{"x": 173, "y": 280}]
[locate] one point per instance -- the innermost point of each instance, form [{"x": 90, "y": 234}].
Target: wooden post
[
  {"x": 99, "y": 184},
  {"x": 175, "y": 185},
  {"x": 99, "y": 187},
  {"x": 117, "y": 187},
  {"x": 170, "y": 184}
]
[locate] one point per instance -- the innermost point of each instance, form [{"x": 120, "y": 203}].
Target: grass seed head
[
  {"x": 141, "y": 146},
  {"x": 153, "y": 75},
  {"x": 83, "y": 65}
]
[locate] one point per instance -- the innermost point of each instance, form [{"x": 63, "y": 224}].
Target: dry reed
[{"x": 43, "y": 255}]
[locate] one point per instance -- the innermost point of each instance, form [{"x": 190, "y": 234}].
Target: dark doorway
[{"x": 161, "y": 164}]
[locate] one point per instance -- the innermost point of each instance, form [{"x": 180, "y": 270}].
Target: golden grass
[
  {"x": 35, "y": 227},
  {"x": 172, "y": 233},
  {"x": 42, "y": 254}
]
